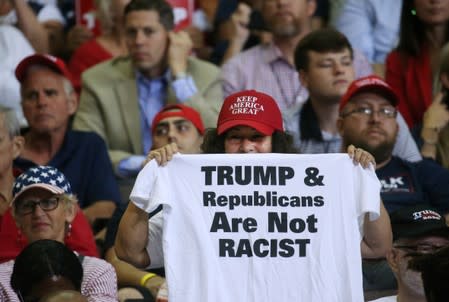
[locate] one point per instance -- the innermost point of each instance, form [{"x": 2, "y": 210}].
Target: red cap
[
  {"x": 250, "y": 108},
  {"x": 181, "y": 111},
  {"x": 54, "y": 63},
  {"x": 371, "y": 83}
]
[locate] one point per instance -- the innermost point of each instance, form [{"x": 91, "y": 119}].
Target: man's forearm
[
  {"x": 377, "y": 238},
  {"x": 31, "y": 27},
  {"x": 132, "y": 237}
]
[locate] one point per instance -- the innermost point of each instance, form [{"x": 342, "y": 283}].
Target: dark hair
[
  {"x": 321, "y": 40},
  {"x": 43, "y": 259},
  {"x": 164, "y": 10},
  {"x": 412, "y": 31},
  {"x": 282, "y": 142},
  {"x": 435, "y": 274}
]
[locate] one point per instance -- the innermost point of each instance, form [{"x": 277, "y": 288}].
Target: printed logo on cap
[
  {"x": 246, "y": 105},
  {"x": 371, "y": 81},
  {"x": 426, "y": 215}
]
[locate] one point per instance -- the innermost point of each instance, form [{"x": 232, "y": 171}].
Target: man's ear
[
  {"x": 72, "y": 101},
  {"x": 311, "y": 7},
  {"x": 444, "y": 78},
  {"x": 18, "y": 144}
]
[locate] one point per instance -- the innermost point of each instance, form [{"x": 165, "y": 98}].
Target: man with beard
[
  {"x": 324, "y": 60},
  {"x": 368, "y": 120},
  {"x": 417, "y": 230},
  {"x": 269, "y": 67}
]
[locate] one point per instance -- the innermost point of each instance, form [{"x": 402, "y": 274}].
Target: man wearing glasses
[
  {"x": 368, "y": 120},
  {"x": 417, "y": 230}
]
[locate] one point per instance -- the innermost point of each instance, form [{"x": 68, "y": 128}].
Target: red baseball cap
[
  {"x": 371, "y": 83},
  {"x": 50, "y": 61},
  {"x": 250, "y": 108},
  {"x": 179, "y": 110}
]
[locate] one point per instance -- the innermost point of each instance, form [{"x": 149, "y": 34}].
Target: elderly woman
[{"x": 44, "y": 207}]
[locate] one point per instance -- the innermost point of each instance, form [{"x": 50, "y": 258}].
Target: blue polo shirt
[{"x": 84, "y": 160}]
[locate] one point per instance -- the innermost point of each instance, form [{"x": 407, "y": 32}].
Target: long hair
[
  {"x": 412, "y": 31},
  {"x": 282, "y": 142}
]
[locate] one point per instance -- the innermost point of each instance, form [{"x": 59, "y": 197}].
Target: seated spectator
[
  {"x": 43, "y": 267},
  {"x": 174, "y": 124},
  {"x": 325, "y": 63},
  {"x": 120, "y": 97},
  {"x": 368, "y": 120},
  {"x": 48, "y": 102},
  {"x": 110, "y": 44},
  {"x": 44, "y": 207},
  {"x": 412, "y": 68},
  {"x": 41, "y": 22},
  {"x": 178, "y": 124},
  {"x": 81, "y": 239},
  {"x": 434, "y": 270},
  {"x": 13, "y": 48},
  {"x": 417, "y": 230},
  {"x": 270, "y": 68}
]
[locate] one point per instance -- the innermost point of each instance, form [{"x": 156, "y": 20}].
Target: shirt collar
[
  {"x": 144, "y": 80},
  {"x": 272, "y": 53}
]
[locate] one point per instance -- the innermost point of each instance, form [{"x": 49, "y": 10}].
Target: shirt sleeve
[
  {"x": 356, "y": 24},
  {"x": 99, "y": 281},
  {"x": 140, "y": 194},
  {"x": 130, "y": 166},
  {"x": 184, "y": 88}
]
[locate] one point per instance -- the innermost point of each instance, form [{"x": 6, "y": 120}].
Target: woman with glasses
[{"x": 44, "y": 207}]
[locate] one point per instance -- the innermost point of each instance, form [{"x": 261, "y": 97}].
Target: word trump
[{"x": 245, "y": 175}]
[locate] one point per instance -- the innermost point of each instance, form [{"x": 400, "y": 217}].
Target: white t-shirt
[{"x": 261, "y": 227}]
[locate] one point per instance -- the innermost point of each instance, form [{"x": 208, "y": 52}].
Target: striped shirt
[
  {"x": 264, "y": 68},
  {"x": 99, "y": 281}
]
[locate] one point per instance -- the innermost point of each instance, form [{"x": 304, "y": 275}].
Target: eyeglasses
[
  {"x": 385, "y": 112},
  {"x": 421, "y": 249},
  {"x": 28, "y": 206}
]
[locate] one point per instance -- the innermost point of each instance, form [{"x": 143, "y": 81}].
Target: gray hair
[
  {"x": 68, "y": 87},
  {"x": 11, "y": 121}
]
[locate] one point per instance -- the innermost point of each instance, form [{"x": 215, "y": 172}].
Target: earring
[
  {"x": 69, "y": 230},
  {"x": 20, "y": 239}
]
